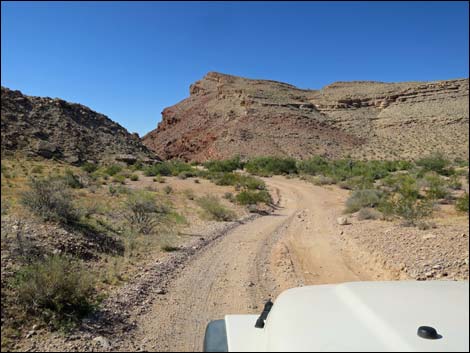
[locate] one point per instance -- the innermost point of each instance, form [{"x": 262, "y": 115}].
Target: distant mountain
[
  {"x": 228, "y": 115},
  {"x": 54, "y": 128}
]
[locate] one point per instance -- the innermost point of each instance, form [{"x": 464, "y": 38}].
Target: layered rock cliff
[{"x": 227, "y": 115}]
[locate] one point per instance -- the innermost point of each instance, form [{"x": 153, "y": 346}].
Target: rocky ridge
[
  {"x": 227, "y": 115},
  {"x": 54, "y": 128}
]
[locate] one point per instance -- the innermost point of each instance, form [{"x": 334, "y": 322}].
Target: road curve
[{"x": 296, "y": 245}]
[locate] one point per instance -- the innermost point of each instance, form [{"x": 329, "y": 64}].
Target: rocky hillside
[
  {"x": 54, "y": 128},
  {"x": 227, "y": 115}
]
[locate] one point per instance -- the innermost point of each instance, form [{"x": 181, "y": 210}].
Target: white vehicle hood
[{"x": 359, "y": 316}]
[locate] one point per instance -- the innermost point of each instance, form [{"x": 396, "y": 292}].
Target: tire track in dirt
[{"x": 295, "y": 245}]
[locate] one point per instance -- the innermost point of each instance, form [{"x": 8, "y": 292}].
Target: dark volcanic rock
[{"x": 54, "y": 128}]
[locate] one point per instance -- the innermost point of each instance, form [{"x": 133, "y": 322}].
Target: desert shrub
[
  {"x": 357, "y": 182},
  {"x": 56, "y": 289},
  {"x": 134, "y": 177},
  {"x": 159, "y": 179},
  {"x": 143, "y": 212},
  {"x": 168, "y": 189},
  {"x": 436, "y": 188},
  {"x": 435, "y": 162},
  {"x": 197, "y": 181},
  {"x": 249, "y": 197},
  {"x": 266, "y": 166},
  {"x": 322, "y": 180},
  {"x": 51, "y": 200},
  {"x": 189, "y": 193},
  {"x": 169, "y": 248},
  {"x": 37, "y": 169},
  {"x": 411, "y": 209},
  {"x": 212, "y": 206},
  {"x": 462, "y": 203},
  {"x": 72, "y": 180},
  {"x": 363, "y": 198},
  {"x": 119, "y": 178},
  {"x": 245, "y": 181},
  {"x": 158, "y": 169},
  {"x": 89, "y": 167},
  {"x": 368, "y": 213},
  {"x": 229, "y": 196},
  {"x": 461, "y": 162},
  {"x": 113, "y": 169},
  {"x": 454, "y": 183},
  {"x": 228, "y": 165}
]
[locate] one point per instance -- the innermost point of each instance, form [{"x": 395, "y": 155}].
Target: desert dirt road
[{"x": 298, "y": 244}]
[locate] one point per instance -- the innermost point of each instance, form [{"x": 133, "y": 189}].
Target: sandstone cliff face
[
  {"x": 227, "y": 115},
  {"x": 53, "y": 128}
]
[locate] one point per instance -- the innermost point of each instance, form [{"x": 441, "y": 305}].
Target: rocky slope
[
  {"x": 227, "y": 115},
  {"x": 54, "y": 128}
]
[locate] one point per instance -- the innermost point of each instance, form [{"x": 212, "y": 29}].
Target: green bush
[
  {"x": 462, "y": 203},
  {"x": 134, "y": 177},
  {"x": 267, "y": 166},
  {"x": 436, "y": 188},
  {"x": 410, "y": 209},
  {"x": 454, "y": 183},
  {"x": 56, "y": 289},
  {"x": 357, "y": 183},
  {"x": 113, "y": 169},
  {"x": 435, "y": 162},
  {"x": 168, "y": 189},
  {"x": 51, "y": 200},
  {"x": 143, "y": 212},
  {"x": 249, "y": 197},
  {"x": 89, "y": 167},
  {"x": 168, "y": 168},
  {"x": 233, "y": 179},
  {"x": 228, "y": 165},
  {"x": 214, "y": 209},
  {"x": 119, "y": 178},
  {"x": 72, "y": 180},
  {"x": 363, "y": 198}
]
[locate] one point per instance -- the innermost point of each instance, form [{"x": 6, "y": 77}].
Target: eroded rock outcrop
[
  {"x": 227, "y": 115},
  {"x": 54, "y": 128}
]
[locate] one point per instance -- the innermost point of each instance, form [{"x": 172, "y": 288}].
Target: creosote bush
[
  {"x": 462, "y": 203},
  {"x": 249, "y": 197},
  {"x": 56, "y": 289},
  {"x": 363, "y": 198},
  {"x": 212, "y": 206},
  {"x": 51, "y": 200}
]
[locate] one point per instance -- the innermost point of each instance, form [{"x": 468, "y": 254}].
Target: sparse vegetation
[
  {"x": 113, "y": 169},
  {"x": 363, "y": 198},
  {"x": 143, "y": 212},
  {"x": 267, "y": 166},
  {"x": 224, "y": 166},
  {"x": 57, "y": 289},
  {"x": 462, "y": 203},
  {"x": 249, "y": 197},
  {"x": 212, "y": 206},
  {"x": 368, "y": 213},
  {"x": 51, "y": 200},
  {"x": 436, "y": 163},
  {"x": 89, "y": 167}
]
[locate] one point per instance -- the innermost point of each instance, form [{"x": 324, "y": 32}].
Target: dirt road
[{"x": 296, "y": 245}]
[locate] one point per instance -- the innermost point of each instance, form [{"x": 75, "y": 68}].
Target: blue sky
[{"x": 129, "y": 60}]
